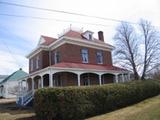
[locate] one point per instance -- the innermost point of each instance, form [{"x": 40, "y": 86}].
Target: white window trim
[
  {"x": 101, "y": 57},
  {"x": 87, "y": 55},
  {"x": 37, "y": 62},
  {"x": 31, "y": 64},
  {"x": 55, "y": 57}
]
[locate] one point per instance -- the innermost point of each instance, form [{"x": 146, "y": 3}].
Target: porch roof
[{"x": 88, "y": 66}]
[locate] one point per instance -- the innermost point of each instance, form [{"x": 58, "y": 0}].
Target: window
[
  {"x": 57, "y": 57},
  {"x": 84, "y": 55},
  {"x": 37, "y": 62},
  {"x": 31, "y": 64},
  {"x": 99, "y": 57},
  {"x": 90, "y": 37}
]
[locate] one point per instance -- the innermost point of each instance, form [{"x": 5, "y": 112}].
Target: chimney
[{"x": 100, "y": 36}]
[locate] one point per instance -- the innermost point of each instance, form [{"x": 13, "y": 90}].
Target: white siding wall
[{"x": 10, "y": 89}]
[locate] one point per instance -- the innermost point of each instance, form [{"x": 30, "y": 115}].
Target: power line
[
  {"x": 66, "y": 12},
  {"x": 51, "y": 19},
  {"x": 71, "y": 13},
  {"x": 11, "y": 53}
]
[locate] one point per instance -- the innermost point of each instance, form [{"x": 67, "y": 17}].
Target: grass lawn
[{"x": 145, "y": 110}]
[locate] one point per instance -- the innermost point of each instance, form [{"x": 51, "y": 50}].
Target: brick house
[{"x": 74, "y": 59}]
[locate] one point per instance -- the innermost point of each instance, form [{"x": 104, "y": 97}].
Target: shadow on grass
[
  {"x": 13, "y": 109},
  {"x": 27, "y": 118}
]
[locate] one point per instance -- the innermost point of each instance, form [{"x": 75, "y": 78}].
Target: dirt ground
[
  {"x": 3, "y": 100},
  {"x": 10, "y": 111}
]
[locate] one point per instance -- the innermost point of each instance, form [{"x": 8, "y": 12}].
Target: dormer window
[
  {"x": 88, "y": 35},
  {"x": 41, "y": 41}
]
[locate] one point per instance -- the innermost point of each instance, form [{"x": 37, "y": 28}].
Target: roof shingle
[
  {"x": 15, "y": 76},
  {"x": 48, "y": 40},
  {"x": 72, "y": 34},
  {"x": 88, "y": 66}
]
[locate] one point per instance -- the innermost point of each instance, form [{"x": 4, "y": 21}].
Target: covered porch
[{"x": 62, "y": 77}]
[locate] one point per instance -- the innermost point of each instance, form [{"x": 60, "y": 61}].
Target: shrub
[{"x": 75, "y": 103}]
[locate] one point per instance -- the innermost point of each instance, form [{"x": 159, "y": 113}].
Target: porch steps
[
  {"x": 25, "y": 99},
  {"x": 28, "y": 102}
]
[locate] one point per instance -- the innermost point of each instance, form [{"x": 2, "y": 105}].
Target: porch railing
[{"x": 24, "y": 99}]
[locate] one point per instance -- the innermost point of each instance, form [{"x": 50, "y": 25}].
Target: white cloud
[
  {"x": 10, "y": 63},
  {"x": 129, "y": 10}
]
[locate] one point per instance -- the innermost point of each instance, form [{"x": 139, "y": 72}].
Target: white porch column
[
  {"x": 27, "y": 85},
  {"x": 79, "y": 82},
  {"x": 123, "y": 78},
  {"x": 100, "y": 80},
  {"x": 50, "y": 80},
  {"x": 32, "y": 84},
  {"x": 116, "y": 76},
  {"x": 41, "y": 81}
]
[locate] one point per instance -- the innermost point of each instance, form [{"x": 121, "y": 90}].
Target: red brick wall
[
  {"x": 72, "y": 53},
  {"x": 44, "y": 61},
  {"x": 34, "y": 63},
  {"x": 69, "y": 53}
]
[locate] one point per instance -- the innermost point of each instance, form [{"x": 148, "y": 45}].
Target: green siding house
[{"x": 9, "y": 86}]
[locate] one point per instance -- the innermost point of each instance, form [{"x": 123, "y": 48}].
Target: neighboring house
[
  {"x": 2, "y": 77},
  {"x": 74, "y": 59},
  {"x": 9, "y": 85}
]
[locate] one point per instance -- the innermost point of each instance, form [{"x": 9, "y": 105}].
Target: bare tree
[
  {"x": 149, "y": 37},
  {"x": 128, "y": 42},
  {"x": 127, "y": 48}
]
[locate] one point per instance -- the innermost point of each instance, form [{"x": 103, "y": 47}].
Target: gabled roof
[
  {"x": 15, "y": 76},
  {"x": 47, "y": 40},
  {"x": 79, "y": 35},
  {"x": 2, "y": 77},
  {"x": 72, "y": 34},
  {"x": 88, "y": 66}
]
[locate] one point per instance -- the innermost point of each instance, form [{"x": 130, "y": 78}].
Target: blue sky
[{"x": 18, "y": 36}]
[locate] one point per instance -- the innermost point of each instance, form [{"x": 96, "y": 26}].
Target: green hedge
[{"x": 76, "y": 103}]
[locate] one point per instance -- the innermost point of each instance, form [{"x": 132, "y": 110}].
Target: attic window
[
  {"x": 88, "y": 35},
  {"x": 41, "y": 41}
]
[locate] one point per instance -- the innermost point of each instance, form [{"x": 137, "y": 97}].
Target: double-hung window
[
  {"x": 57, "y": 57},
  {"x": 84, "y": 53},
  {"x": 31, "y": 64},
  {"x": 99, "y": 57},
  {"x": 37, "y": 62}
]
